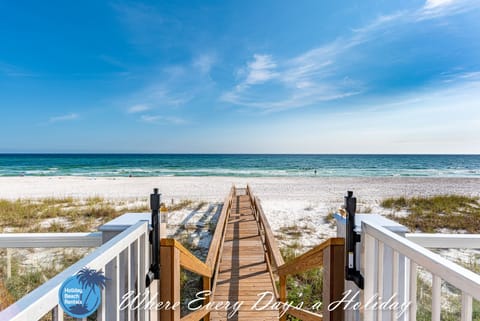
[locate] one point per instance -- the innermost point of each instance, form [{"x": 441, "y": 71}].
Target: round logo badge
[{"x": 80, "y": 295}]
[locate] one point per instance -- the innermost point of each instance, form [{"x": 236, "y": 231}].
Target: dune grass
[
  {"x": 303, "y": 287},
  {"x": 24, "y": 279},
  {"x": 434, "y": 213},
  {"x": 76, "y": 215}
]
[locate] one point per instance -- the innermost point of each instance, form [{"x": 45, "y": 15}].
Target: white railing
[
  {"x": 10, "y": 241},
  {"x": 124, "y": 259},
  {"x": 445, "y": 241},
  {"x": 376, "y": 238},
  {"x": 50, "y": 240}
]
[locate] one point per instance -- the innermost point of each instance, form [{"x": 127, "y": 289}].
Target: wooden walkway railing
[
  {"x": 330, "y": 256},
  {"x": 174, "y": 256}
]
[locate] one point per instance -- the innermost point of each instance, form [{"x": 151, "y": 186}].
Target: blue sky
[{"x": 240, "y": 76}]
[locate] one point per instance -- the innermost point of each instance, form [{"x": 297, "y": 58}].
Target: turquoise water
[{"x": 98, "y": 165}]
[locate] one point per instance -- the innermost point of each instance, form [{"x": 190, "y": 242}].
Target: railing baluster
[
  {"x": 140, "y": 284},
  {"x": 57, "y": 313},
  {"x": 111, "y": 310},
  {"x": 132, "y": 286},
  {"x": 144, "y": 269},
  {"x": 123, "y": 280},
  {"x": 467, "y": 310},
  {"x": 369, "y": 289},
  {"x": 412, "y": 294},
  {"x": 102, "y": 315},
  {"x": 436, "y": 303},
  {"x": 395, "y": 276},
  {"x": 380, "y": 275},
  {"x": 117, "y": 286},
  {"x": 129, "y": 280}
]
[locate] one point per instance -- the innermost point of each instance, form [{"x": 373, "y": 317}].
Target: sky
[{"x": 278, "y": 76}]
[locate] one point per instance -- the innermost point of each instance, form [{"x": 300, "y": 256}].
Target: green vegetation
[
  {"x": 59, "y": 215},
  {"x": 296, "y": 231},
  {"x": 330, "y": 218},
  {"x": 24, "y": 280},
  {"x": 180, "y": 205},
  {"x": 364, "y": 209},
  {"x": 450, "y": 312},
  {"x": 303, "y": 287},
  {"x": 431, "y": 214},
  {"x": 190, "y": 283}
]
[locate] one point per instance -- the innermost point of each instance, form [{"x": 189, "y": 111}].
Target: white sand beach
[
  {"x": 317, "y": 189},
  {"x": 286, "y": 201}
]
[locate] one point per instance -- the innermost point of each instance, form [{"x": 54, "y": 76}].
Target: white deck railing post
[
  {"x": 369, "y": 273},
  {"x": 383, "y": 287}
]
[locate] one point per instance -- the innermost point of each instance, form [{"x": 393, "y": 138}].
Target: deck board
[{"x": 243, "y": 273}]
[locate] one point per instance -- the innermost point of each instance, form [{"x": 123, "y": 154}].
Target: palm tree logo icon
[
  {"x": 93, "y": 279},
  {"x": 80, "y": 294}
]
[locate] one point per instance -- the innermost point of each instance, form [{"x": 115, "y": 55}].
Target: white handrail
[
  {"x": 449, "y": 271},
  {"x": 36, "y": 304},
  {"x": 445, "y": 241},
  {"x": 50, "y": 240},
  {"x": 376, "y": 237}
]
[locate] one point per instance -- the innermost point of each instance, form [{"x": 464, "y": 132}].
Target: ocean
[{"x": 107, "y": 165}]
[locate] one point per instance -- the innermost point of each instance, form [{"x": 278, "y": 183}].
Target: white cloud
[
  {"x": 306, "y": 79},
  {"x": 439, "y": 8},
  {"x": 158, "y": 119},
  {"x": 437, "y": 3},
  {"x": 260, "y": 70},
  {"x": 138, "y": 109},
  {"x": 204, "y": 63},
  {"x": 62, "y": 118}
]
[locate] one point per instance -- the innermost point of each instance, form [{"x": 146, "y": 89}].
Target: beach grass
[
  {"x": 72, "y": 214},
  {"x": 451, "y": 307},
  {"x": 25, "y": 279},
  {"x": 306, "y": 287},
  {"x": 436, "y": 213}
]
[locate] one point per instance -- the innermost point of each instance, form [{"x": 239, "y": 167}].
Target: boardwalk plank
[{"x": 243, "y": 272}]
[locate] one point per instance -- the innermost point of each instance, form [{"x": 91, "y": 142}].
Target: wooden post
[
  {"x": 206, "y": 286},
  {"x": 283, "y": 293},
  {"x": 333, "y": 281},
  {"x": 170, "y": 282}
]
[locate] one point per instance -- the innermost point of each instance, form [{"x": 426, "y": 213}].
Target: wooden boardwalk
[{"x": 243, "y": 272}]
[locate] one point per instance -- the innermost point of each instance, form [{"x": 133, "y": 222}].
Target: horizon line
[{"x": 245, "y": 154}]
